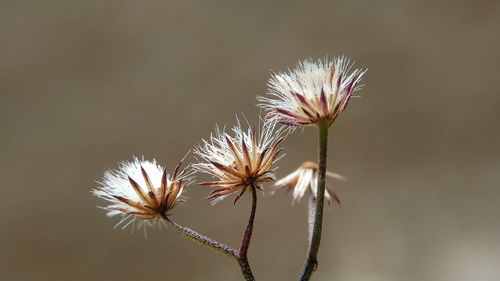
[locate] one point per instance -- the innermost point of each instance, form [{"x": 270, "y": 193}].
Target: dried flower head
[
  {"x": 314, "y": 92},
  {"x": 239, "y": 161},
  {"x": 141, "y": 190},
  {"x": 304, "y": 179}
]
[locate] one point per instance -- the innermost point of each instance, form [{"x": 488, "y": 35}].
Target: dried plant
[
  {"x": 143, "y": 193},
  {"x": 240, "y": 161},
  {"x": 315, "y": 92},
  {"x": 305, "y": 180}
]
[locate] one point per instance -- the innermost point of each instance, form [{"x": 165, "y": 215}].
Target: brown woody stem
[{"x": 245, "y": 241}]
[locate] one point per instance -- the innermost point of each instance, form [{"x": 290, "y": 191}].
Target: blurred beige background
[{"x": 85, "y": 84}]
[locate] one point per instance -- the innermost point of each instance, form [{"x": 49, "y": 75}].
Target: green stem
[
  {"x": 245, "y": 241},
  {"x": 312, "y": 254},
  {"x": 203, "y": 240}
]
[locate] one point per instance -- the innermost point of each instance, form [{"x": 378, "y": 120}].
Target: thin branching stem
[
  {"x": 241, "y": 254},
  {"x": 203, "y": 240},
  {"x": 315, "y": 238},
  {"x": 245, "y": 241}
]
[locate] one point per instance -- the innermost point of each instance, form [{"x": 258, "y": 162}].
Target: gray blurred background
[{"x": 85, "y": 84}]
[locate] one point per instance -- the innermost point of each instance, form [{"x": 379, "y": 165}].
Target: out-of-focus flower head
[
  {"x": 239, "y": 160},
  {"x": 305, "y": 180},
  {"x": 315, "y": 92},
  {"x": 141, "y": 191}
]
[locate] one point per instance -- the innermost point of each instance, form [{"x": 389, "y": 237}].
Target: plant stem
[
  {"x": 203, "y": 240},
  {"x": 245, "y": 241},
  {"x": 310, "y": 218},
  {"x": 312, "y": 254},
  {"x": 241, "y": 254}
]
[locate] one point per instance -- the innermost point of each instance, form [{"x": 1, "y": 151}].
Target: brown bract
[
  {"x": 321, "y": 107},
  {"x": 154, "y": 202},
  {"x": 250, "y": 168}
]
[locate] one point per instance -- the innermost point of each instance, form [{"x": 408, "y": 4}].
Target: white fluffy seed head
[
  {"x": 141, "y": 191},
  {"x": 313, "y": 92},
  {"x": 239, "y": 158},
  {"x": 116, "y": 182}
]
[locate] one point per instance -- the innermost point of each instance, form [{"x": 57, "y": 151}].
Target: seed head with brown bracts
[
  {"x": 314, "y": 92},
  {"x": 240, "y": 161},
  {"x": 141, "y": 190}
]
